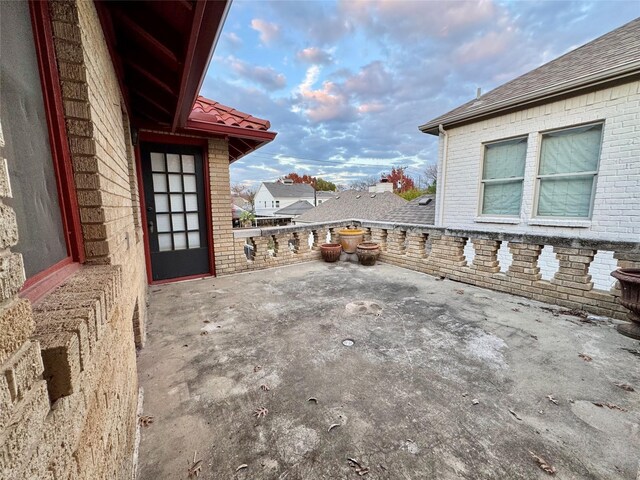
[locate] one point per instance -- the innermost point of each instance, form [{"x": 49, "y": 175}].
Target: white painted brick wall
[{"x": 616, "y": 213}]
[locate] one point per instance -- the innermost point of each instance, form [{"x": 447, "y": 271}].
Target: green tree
[
  {"x": 323, "y": 185},
  {"x": 412, "y": 193}
]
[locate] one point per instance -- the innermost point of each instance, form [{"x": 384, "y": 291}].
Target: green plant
[
  {"x": 412, "y": 193},
  {"x": 247, "y": 217}
]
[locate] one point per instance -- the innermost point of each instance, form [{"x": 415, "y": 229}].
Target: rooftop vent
[
  {"x": 373, "y": 196},
  {"x": 287, "y": 181},
  {"x": 424, "y": 201},
  {"x": 358, "y": 196}
]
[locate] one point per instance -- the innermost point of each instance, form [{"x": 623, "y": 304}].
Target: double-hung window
[
  {"x": 502, "y": 177},
  {"x": 567, "y": 172}
]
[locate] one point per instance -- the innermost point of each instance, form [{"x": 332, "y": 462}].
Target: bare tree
[
  {"x": 431, "y": 173},
  {"x": 363, "y": 185},
  {"x": 239, "y": 189},
  {"x": 250, "y": 196}
]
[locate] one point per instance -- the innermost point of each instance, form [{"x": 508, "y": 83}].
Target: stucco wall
[{"x": 68, "y": 388}]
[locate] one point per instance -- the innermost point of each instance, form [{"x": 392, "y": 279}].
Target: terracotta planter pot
[
  {"x": 350, "y": 238},
  {"x": 330, "y": 252},
  {"x": 368, "y": 253},
  {"x": 629, "y": 279}
]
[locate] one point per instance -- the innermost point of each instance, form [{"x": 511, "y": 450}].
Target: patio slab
[{"x": 444, "y": 380}]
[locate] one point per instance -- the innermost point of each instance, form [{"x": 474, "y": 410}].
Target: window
[
  {"x": 277, "y": 203},
  {"x": 567, "y": 172},
  {"x": 502, "y": 177},
  {"x": 271, "y": 203}
]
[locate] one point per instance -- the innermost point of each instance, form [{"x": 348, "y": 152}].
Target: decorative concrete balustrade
[{"x": 441, "y": 252}]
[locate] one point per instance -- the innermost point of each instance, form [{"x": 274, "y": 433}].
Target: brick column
[
  {"x": 524, "y": 268},
  {"x": 302, "y": 243},
  {"x": 415, "y": 245},
  {"x": 284, "y": 255},
  {"x": 221, "y": 215},
  {"x": 395, "y": 242},
  {"x": 319, "y": 237},
  {"x": 379, "y": 236},
  {"x": 573, "y": 271},
  {"x": 486, "y": 255}
]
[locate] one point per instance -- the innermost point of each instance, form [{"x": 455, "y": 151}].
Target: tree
[
  {"x": 238, "y": 189},
  {"x": 364, "y": 184},
  {"x": 401, "y": 181},
  {"x": 318, "y": 184},
  {"x": 431, "y": 172},
  {"x": 412, "y": 193},
  {"x": 250, "y": 196}
]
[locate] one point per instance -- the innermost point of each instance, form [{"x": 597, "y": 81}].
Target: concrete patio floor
[{"x": 444, "y": 380}]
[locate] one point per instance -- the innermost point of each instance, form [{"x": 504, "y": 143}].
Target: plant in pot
[
  {"x": 247, "y": 218},
  {"x": 629, "y": 279},
  {"x": 350, "y": 238},
  {"x": 330, "y": 252},
  {"x": 368, "y": 253}
]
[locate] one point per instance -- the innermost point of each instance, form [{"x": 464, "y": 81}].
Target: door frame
[{"x": 203, "y": 143}]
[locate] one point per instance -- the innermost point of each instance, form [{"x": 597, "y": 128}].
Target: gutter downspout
[{"x": 440, "y": 188}]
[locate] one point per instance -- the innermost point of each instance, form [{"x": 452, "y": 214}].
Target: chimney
[
  {"x": 384, "y": 185},
  {"x": 478, "y": 93}
]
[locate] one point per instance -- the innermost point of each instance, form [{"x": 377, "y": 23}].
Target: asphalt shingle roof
[
  {"x": 280, "y": 190},
  {"x": 297, "y": 208},
  {"x": 414, "y": 212},
  {"x": 352, "y": 204},
  {"x": 613, "y": 55}
]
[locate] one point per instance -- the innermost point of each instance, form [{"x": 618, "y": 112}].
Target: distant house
[
  {"x": 324, "y": 196},
  {"x": 241, "y": 202},
  {"x": 272, "y": 196},
  {"x": 553, "y": 152},
  {"x": 353, "y": 204},
  {"x": 419, "y": 211},
  {"x": 294, "y": 210}
]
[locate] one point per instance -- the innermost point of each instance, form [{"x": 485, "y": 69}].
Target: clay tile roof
[
  {"x": 216, "y": 112},
  {"x": 607, "y": 58}
]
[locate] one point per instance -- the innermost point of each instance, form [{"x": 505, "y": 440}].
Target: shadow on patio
[{"x": 444, "y": 380}]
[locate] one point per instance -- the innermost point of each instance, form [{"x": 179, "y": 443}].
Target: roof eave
[{"x": 537, "y": 97}]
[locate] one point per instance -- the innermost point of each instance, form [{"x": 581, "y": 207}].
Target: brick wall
[
  {"x": 616, "y": 212},
  {"x": 68, "y": 388}
]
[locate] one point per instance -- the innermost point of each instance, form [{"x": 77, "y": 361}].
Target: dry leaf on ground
[
  {"x": 585, "y": 357},
  {"x": 625, "y": 386},
  {"x": 552, "y": 400},
  {"x": 261, "y": 412},
  {"x": 145, "y": 420},
  {"x": 542, "y": 463},
  {"x": 611, "y": 406}
]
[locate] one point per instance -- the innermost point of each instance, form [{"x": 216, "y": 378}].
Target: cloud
[
  {"x": 269, "y": 78},
  {"x": 371, "y": 80},
  {"x": 268, "y": 31},
  {"x": 233, "y": 40},
  {"x": 314, "y": 55}
]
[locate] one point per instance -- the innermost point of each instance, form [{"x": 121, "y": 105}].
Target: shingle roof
[
  {"x": 223, "y": 115},
  {"x": 325, "y": 194},
  {"x": 280, "y": 190},
  {"x": 421, "y": 211},
  {"x": 297, "y": 208},
  {"x": 607, "y": 58},
  {"x": 353, "y": 204}
]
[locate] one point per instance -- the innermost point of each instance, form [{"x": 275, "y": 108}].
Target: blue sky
[{"x": 346, "y": 84}]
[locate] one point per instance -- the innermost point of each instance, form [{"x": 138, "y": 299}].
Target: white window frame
[
  {"x": 594, "y": 173},
  {"x": 277, "y": 203},
  {"x": 482, "y": 181}
]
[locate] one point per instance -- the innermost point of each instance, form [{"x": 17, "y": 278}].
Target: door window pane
[
  {"x": 176, "y": 203},
  {"x": 163, "y": 223},
  {"x": 179, "y": 241},
  {"x": 191, "y": 202},
  {"x": 173, "y": 162},
  {"x": 164, "y": 242},
  {"x": 189, "y": 183},
  {"x": 178, "y": 221},
  {"x": 157, "y": 162},
  {"x": 162, "y": 202},
  {"x": 188, "y": 164},
  {"x": 194, "y": 239},
  {"x": 192, "y": 221},
  {"x": 159, "y": 182},
  {"x": 175, "y": 183}
]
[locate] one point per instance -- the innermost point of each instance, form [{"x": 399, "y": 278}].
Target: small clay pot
[
  {"x": 330, "y": 252},
  {"x": 368, "y": 253}
]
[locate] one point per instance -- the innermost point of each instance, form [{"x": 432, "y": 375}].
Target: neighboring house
[
  {"x": 353, "y": 204},
  {"x": 323, "y": 196},
  {"x": 114, "y": 174},
  {"x": 419, "y": 211},
  {"x": 241, "y": 202},
  {"x": 553, "y": 152},
  {"x": 294, "y": 210},
  {"x": 272, "y": 196}
]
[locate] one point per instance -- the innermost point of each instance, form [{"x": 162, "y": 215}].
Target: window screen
[
  {"x": 33, "y": 181},
  {"x": 502, "y": 177},
  {"x": 568, "y": 169}
]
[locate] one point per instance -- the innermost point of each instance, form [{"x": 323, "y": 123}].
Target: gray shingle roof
[
  {"x": 414, "y": 212},
  {"x": 352, "y": 204},
  {"x": 297, "y": 208},
  {"x": 607, "y": 58},
  {"x": 280, "y": 190}
]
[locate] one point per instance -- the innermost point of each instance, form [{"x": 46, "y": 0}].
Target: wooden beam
[
  {"x": 152, "y": 101},
  {"x": 148, "y": 75}
]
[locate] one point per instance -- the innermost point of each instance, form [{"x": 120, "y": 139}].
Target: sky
[{"x": 347, "y": 83}]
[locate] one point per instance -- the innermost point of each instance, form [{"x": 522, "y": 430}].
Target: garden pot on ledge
[
  {"x": 330, "y": 251},
  {"x": 629, "y": 279},
  {"x": 350, "y": 238},
  {"x": 368, "y": 253}
]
